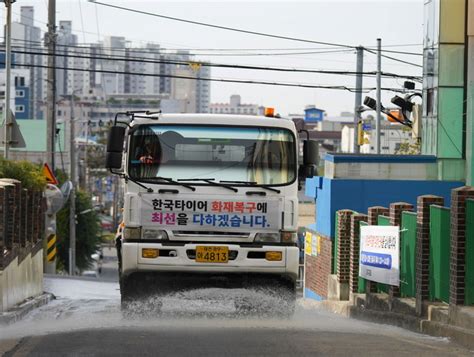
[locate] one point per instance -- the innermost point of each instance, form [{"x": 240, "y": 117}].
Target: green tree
[
  {"x": 30, "y": 175},
  {"x": 87, "y": 232},
  {"x": 409, "y": 148}
]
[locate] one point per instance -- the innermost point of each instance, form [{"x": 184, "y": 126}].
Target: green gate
[
  {"x": 469, "y": 282},
  {"x": 440, "y": 231},
  {"x": 408, "y": 254}
]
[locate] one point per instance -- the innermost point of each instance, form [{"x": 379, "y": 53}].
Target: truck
[{"x": 209, "y": 200}]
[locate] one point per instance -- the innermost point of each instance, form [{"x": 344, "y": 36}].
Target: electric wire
[
  {"x": 225, "y": 80},
  {"x": 263, "y": 34},
  {"x": 395, "y": 59},
  {"x": 218, "y": 65},
  {"x": 227, "y": 28},
  {"x": 236, "y": 54}
]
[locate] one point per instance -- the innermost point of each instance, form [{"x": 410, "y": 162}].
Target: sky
[{"x": 399, "y": 23}]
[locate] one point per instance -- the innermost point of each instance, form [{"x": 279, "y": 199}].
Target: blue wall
[{"x": 358, "y": 195}]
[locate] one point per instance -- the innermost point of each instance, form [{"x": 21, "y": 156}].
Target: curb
[
  {"x": 459, "y": 335},
  {"x": 21, "y": 310}
]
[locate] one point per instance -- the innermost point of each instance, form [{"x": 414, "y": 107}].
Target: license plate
[{"x": 212, "y": 254}]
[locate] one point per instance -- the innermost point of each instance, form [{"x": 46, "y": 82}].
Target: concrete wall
[{"x": 21, "y": 280}]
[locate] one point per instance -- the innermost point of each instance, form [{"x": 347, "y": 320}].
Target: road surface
[{"x": 85, "y": 320}]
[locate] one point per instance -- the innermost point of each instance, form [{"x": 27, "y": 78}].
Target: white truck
[{"x": 210, "y": 200}]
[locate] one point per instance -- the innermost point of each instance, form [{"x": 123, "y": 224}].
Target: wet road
[{"x": 85, "y": 319}]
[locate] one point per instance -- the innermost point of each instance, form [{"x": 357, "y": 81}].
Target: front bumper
[{"x": 182, "y": 261}]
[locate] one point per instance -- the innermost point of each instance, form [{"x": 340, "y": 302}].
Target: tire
[
  {"x": 281, "y": 300},
  {"x": 136, "y": 297},
  {"x": 128, "y": 292}
]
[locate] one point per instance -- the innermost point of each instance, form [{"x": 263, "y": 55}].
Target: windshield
[{"x": 265, "y": 156}]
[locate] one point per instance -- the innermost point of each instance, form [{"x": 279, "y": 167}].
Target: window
[
  {"x": 20, "y": 109},
  {"x": 20, "y": 93},
  {"x": 266, "y": 156}
]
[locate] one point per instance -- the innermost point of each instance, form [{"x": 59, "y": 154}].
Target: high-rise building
[
  {"x": 110, "y": 68},
  {"x": 27, "y": 37}
]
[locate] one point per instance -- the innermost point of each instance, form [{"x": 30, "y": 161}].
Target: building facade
[
  {"x": 19, "y": 92},
  {"x": 26, "y": 37},
  {"x": 235, "y": 106},
  {"x": 112, "y": 67},
  {"x": 446, "y": 89}
]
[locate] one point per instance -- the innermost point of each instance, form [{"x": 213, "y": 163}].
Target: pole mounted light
[{"x": 372, "y": 104}]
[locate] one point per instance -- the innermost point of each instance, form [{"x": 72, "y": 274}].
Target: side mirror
[
  {"x": 115, "y": 140},
  {"x": 310, "y": 153}
]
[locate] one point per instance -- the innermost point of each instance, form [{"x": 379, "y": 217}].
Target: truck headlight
[
  {"x": 282, "y": 237},
  {"x": 148, "y": 233},
  {"x": 267, "y": 237},
  {"x": 132, "y": 233}
]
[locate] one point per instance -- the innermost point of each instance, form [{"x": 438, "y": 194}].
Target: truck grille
[{"x": 197, "y": 234}]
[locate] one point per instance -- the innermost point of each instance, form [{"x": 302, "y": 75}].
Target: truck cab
[{"x": 209, "y": 200}]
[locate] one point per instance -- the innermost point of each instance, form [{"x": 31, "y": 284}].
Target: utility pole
[
  {"x": 8, "y": 54},
  {"x": 86, "y": 152},
  {"x": 72, "y": 197},
  {"x": 358, "y": 94},
  {"x": 379, "y": 99},
  {"x": 51, "y": 85}
]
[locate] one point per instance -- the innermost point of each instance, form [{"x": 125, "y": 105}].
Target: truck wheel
[
  {"x": 281, "y": 300},
  {"x": 136, "y": 297},
  {"x": 128, "y": 292},
  {"x": 288, "y": 301}
]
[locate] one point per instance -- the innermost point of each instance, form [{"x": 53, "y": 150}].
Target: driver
[{"x": 146, "y": 156}]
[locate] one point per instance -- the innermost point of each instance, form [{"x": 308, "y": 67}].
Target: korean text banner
[
  {"x": 379, "y": 254},
  {"x": 213, "y": 213}
]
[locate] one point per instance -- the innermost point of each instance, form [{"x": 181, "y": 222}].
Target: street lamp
[{"x": 372, "y": 104}]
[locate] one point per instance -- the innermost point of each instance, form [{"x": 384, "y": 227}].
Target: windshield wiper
[
  {"x": 148, "y": 189},
  {"x": 253, "y": 183},
  {"x": 211, "y": 181},
  {"x": 152, "y": 179}
]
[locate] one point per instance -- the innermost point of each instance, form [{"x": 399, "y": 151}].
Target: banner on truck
[
  {"x": 211, "y": 214},
  {"x": 379, "y": 259}
]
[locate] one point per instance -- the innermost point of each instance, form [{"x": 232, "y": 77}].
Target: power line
[
  {"x": 219, "y": 26},
  {"x": 212, "y": 49},
  {"x": 404, "y": 53},
  {"x": 395, "y": 59},
  {"x": 218, "y": 65},
  {"x": 244, "y": 51},
  {"x": 176, "y": 51},
  {"x": 225, "y": 80}
]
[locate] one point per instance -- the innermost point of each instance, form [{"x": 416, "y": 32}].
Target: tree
[
  {"x": 30, "y": 175},
  {"x": 409, "y": 148},
  {"x": 87, "y": 232}
]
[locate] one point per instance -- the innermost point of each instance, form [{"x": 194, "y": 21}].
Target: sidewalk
[
  {"x": 439, "y": 321},
  {"x": 21, "y": 310}
]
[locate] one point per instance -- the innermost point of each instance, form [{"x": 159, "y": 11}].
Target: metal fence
[{"x": 21, "y": 221}]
